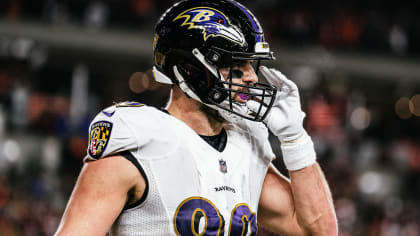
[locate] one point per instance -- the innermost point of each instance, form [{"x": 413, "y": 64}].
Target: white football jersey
[{"x": 192, "y": 189}]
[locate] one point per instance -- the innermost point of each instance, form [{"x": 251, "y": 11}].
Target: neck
[{"x": 203, "y": 120}]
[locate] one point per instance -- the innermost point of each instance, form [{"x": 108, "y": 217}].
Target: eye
[{"x": 237, "y": 74}]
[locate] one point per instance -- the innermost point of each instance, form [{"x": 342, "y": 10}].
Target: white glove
[{"x": 285, "y": 120}]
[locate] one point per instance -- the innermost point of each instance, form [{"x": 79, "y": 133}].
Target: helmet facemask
[
  {"x": 202, "y": 80},
  {"x": 264, "y": 94}
]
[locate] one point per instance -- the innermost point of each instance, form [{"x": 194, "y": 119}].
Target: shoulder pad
[
  {"x": 119, "y": 128},
  {"x": 129, "y": 104},
  {"x": 110, "y": 111},
  {"x": 108, "y": 133},
  {"x": 258, "y": 133}
]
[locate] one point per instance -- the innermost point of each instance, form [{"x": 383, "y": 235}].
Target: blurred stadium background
[{"x": 357, "y": 64}]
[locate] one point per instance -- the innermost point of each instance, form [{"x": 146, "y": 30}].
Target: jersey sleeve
[{"x": 108, "y": 135}]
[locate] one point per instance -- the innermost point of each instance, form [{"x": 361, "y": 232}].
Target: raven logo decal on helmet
[{"x": 212, "y": 22}]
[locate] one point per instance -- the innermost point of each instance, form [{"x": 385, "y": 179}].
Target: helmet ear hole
[{"x": 217, "y": 96}]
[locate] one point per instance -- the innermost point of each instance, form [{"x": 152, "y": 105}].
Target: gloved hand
[{"x": 285, "y": 120}]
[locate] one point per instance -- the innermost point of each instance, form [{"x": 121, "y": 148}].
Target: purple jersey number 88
[{"x": 189, "y": 213}]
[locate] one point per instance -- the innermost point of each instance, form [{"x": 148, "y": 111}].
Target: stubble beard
[{"x": 212, "y": 114}]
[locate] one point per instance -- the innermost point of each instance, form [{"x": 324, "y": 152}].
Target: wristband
[{"x": 298, "y": 153}]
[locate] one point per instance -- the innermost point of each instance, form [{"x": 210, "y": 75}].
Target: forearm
[
  {"x": 310, "y": 197},
  {"x": 313, "y": 202}
]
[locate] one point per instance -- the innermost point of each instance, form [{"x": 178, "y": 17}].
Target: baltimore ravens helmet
[{"x": 194, "y": 38}]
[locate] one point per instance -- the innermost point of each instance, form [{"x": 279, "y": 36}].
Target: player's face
[{"x": 242, "y": 73}]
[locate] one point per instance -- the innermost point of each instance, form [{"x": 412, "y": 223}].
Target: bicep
[
  {"x": 98, "y": 196},
  {"x": 276, "y": 210}
]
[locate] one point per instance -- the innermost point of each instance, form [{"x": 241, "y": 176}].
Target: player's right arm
[
  {"x": 103, "y": 188},
  {"x": 108, "y": 180}
]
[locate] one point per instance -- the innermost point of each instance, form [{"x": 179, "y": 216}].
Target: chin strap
[{"x": 161, "y": 77}]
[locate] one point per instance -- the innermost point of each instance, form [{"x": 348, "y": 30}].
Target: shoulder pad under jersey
[
  {"x": 259, "y": 134},
  {"x": 110, "y": 134}
]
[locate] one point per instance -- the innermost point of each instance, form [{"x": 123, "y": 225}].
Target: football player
[{"x": 202, "y": 166}]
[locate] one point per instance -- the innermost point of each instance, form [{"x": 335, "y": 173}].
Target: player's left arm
[
  {"x": 304, "y": 205},
  {"x": 299, "y": 206}
]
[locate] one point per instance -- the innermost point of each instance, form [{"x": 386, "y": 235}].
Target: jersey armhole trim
[{"x": 129, "y": 156}]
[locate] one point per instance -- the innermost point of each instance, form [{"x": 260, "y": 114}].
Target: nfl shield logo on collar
[{"x": 223, "y": 166}]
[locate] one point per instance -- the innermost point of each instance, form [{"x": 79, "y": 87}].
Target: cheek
[
  {"x": 225, "y": 74},
  {"x": 237, "y": 81}
]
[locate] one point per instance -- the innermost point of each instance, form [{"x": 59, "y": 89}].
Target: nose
[{"x": 249, "y": 75}]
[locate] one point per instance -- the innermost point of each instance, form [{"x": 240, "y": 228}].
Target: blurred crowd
[
  {"x": 390, "y": 27},
  {"x": 365, "y": 130}
]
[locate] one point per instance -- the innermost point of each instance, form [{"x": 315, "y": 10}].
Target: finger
[
  {"x": 290, "y": 84},
  {"x": 277, "y": 116},
  {"x": 270, "y": 77},
  {"x": 254, "y": 106},
  {"x": 275, "y": 77}
]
